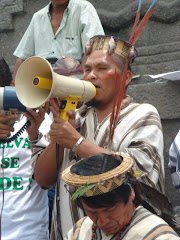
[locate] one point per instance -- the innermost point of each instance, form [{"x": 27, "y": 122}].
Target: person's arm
[
  {"x": 45, "y": 172},
  {"x": 36, "y": 118},
  {"x": 64, "y": 134},
  {"x": 44, "y": 159}
]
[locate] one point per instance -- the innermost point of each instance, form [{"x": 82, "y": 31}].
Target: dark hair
[
  {"x": 107, "y": 200},
  {"x": 5, "y": 73},
  {"x": 95, "y": 165},
  {"x": 119, "y": 61}
]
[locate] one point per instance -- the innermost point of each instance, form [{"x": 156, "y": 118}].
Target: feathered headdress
[{"x": 125, "y": 50}]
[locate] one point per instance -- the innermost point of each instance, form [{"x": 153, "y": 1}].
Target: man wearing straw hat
[
  {"x": 137, "y": 130},
  {"x": 104, "y": 187}
]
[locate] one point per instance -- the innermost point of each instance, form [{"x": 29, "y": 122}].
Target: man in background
[{"x": 62, "y": 28}]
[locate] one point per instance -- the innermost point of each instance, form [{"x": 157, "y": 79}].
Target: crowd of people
[{"x": 95, "y": 181}]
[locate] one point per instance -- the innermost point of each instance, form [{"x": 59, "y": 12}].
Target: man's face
[
  {"x": 111, "y": 220},
  {"x": 102, "y": 72}
]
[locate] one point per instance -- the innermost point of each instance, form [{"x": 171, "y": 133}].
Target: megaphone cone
[{"x": 37, "y": 68}]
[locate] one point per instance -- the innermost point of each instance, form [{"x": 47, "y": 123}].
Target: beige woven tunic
[{"x": 138, "y": 134}]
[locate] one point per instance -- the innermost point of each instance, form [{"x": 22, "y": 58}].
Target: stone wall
[
  {"x": 164, "y": 95},
  {"x": 15, "y": 16},
  {"x": 159, "y": 44},
  {"x": 158, "y": 47}
]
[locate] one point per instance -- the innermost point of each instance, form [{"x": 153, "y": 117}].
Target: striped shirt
[
  {"x": 174, "y": 161},
  {"x": 144, "y": 226}
]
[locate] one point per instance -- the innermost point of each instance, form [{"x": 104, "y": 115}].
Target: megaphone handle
[
  {"x": 64, "y": 115},
  {"x": 69, "y": 103}
]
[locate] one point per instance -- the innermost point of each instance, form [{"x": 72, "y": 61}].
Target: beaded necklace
[{"x": 116, "y": 236}]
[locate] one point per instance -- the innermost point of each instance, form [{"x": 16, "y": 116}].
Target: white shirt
[
  {"x": 25, "y": 214},
  {"x": 80, "y": 22}
]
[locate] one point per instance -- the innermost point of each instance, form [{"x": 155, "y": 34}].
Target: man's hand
[
  {"x": 36, "y": 118},
  {"x": 5, "y": 129},
  {"x": 55, "y": 109},
  {"x": 63, "y": 133}
]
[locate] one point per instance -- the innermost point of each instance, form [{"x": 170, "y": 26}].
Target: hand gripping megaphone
[
  {"x": 10, "y": 103},
  {"x": 36, "y": 82}
]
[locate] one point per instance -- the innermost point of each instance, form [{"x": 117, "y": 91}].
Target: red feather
[
  {"x": 136, "y": 32},
  {"x": 135, "y": 25},
  {"x": 141, "y": 26},
  {"x": 114, "y": 115},
  {"x": 117, "y": 80}
]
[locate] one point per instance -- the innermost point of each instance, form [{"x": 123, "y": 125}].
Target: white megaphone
[{"x": 36, "y": 82}]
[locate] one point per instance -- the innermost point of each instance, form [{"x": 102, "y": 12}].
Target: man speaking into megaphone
[{"x": 96, "y": 129}]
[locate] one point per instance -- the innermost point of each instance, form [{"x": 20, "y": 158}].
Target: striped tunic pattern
[
  {"x": 174, "y": 161},
  {"x": 138, "y": 134},
  {"x": 144, "y": 226}
]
